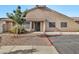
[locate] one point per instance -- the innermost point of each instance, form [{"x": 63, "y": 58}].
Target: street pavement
[{"x": 66, "y": 44}]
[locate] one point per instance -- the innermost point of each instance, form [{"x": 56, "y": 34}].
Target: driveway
[{"x": 66, "y": 44}]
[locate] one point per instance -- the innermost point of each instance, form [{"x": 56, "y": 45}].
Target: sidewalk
[
  {"x": 42, "y": 33},
  {"x": 62, "y": 33},
  {"x": 28, "y": 50}
]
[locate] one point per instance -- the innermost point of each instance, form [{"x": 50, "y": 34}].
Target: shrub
[{"x": 17, "y": 29}]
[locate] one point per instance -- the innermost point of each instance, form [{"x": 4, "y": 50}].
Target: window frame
[
  {"x": 52, "y": 24},
  {"x": 64, "y": 25},
  {"x": 27, "y": 24}
]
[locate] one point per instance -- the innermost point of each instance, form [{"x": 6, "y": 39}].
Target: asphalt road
[{"x": 68, "y": 44}]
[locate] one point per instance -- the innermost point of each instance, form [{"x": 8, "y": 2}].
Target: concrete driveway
[{"x": 66, "y": 44}]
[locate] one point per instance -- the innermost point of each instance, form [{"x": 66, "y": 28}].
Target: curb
[{"x": 51, "y": 44}]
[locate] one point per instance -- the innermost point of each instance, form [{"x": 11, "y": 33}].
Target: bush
[
  {"x": 21, "y": 31},
  {"x": 17, "y": 29}
]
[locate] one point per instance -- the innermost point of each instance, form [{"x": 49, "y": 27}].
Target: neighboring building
[
  {"x": 44, "y": 19},
  {"x": 5, "y": 24},
  {"x": 76, "y": 19}
]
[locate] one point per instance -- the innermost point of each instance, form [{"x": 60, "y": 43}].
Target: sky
[{"x": 69, "y": 10}]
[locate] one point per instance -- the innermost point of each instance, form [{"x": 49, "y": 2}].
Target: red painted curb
[{"x": 51, "y": 44}]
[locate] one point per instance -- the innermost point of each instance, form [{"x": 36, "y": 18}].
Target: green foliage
[
  {"x": 18, "y": 17},
  {"x": 17, "y": 29}
]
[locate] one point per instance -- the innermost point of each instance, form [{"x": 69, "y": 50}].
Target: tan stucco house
[{"x": 43, "y": 19}]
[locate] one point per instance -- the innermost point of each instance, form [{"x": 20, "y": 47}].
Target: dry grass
[{"x": 23, "y": 39}]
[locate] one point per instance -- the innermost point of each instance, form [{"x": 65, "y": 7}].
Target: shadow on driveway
[{"x": 22, "y": 51}]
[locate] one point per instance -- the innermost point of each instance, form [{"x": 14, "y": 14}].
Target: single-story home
[
  {"x": 43, "y": 19},
  {"x": 5, "y": 24}
]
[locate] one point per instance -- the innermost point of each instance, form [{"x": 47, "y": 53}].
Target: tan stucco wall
[
  {"x": 1, "y": 29},
  {"x": 58, "y": 18},
  {"x": 71, "y": 26},
  {"x": 53, "y": 16},
  {"x": 5, "y": 26}
]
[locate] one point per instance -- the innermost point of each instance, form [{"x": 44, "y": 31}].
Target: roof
[
  {"x": 47, "y": 9},
  {"x": 35, "y": 19},
  {"x": 75, "y": 18},
  {"x": 5, "y": 19}
]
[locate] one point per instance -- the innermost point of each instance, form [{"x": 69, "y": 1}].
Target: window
[
  {"x": 52, "y": 24},
  {"x": 26, "y": 24},
  {"x": 63, "y": 24}
]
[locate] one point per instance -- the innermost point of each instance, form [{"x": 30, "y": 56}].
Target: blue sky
[{"x": 69, "y": 10}]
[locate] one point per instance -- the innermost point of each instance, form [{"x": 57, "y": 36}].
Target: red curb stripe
[{"x": 50, "y": 43}]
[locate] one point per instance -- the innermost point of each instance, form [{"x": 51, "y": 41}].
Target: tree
[{"x": 18, "y": 16}]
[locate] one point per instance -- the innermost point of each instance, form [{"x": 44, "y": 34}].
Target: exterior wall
[
  {"x": 58, "y": 18},
  {"x": 28, "y": 27},
  {"x": 1, "y": 28},
  {"x": 9, "y": 25},
  {"x": 53, "y": 16},
  {"x": 71, "y": 26},
  {"x": 5, "y": 26}
]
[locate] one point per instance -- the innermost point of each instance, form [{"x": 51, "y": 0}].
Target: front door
[{"x": 37, "y": 26}]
